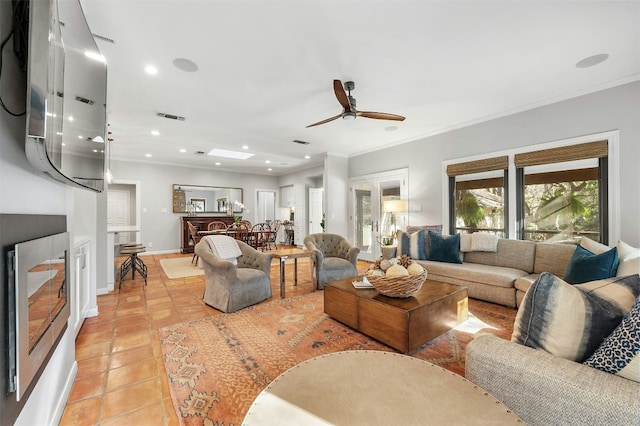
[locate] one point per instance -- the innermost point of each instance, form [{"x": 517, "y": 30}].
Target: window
[
  {"x": 478, "y": 196},
  {"x": 480, "y": 206},
  {"x": 562, "y": 206},
  {"x": 562, "y": 193}
]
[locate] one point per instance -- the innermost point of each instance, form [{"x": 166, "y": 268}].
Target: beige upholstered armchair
[
  {"x": 336, "y": 258},
  {"x": 230, "y": 287}
]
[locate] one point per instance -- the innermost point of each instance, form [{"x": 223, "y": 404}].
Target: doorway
[
  {"x": 265, "y": 206},
  {"x": 316, "y": 219},
  {"x": 374, "y": 220},
  {"x": 123, "y": 207}
]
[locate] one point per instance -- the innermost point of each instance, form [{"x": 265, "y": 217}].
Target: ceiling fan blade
[
  {"x": 341, "y": 95},
  {"x": 325, "y": 121},
  {"x": 380, "y": 115}
]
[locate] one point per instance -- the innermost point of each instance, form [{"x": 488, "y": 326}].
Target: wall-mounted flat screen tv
[{"x": 66, "y": 95}]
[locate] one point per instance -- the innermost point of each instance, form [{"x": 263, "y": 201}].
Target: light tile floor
[{"x": 121, "y": 378}]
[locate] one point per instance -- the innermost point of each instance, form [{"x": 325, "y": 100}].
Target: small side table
[{"x": 293, "y": 253}]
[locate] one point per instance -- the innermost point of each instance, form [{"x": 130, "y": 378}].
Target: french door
[{"x": 371, "y": 223}]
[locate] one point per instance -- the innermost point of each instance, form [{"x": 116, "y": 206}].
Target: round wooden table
[{"x": 373, "y": 387}]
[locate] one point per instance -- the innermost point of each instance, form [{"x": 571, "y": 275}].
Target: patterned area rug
[{"x": 217, "y": 366}]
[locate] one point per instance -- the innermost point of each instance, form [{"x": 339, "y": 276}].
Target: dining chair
[
  {"x": 217, "y": 225},
  {"x": 259, "y": 236},
  {"x": 196, "y": 239},
  {"x": 273, "y": 235},
  {"x": 288, "y": 231},
  {"x": 239, "y": 231}
]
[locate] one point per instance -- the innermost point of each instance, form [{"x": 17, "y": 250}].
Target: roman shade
[
  {"x": 562, "y": 154},
  {"x": 478, "y": 166}
]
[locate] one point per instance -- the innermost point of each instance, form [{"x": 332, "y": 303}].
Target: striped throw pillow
[
  {"x": 571, "y": 321},
  {"x": 412, "y": 244}
]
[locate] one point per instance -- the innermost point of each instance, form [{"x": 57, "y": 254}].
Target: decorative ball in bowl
[{"x": 398, "y": 286}]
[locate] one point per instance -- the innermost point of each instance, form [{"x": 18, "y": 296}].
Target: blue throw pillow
[
  {"x": 444, "y": 249},
  {"x": 412, "y": 245},
  {"x": 586, "y": 266}
]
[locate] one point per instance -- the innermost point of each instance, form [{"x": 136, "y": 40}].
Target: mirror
[{"x": 207, "y": 199}]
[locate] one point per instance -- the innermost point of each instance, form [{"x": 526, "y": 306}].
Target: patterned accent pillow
[
  {"x": 426, "y": 228},
  {"x": 412, "y": 244},
  {"x": 619, "y": 354},
  {"x": 571, "y": 321},
  {"x": 586, "y": 266},
  {"x": 444, "y": 249}
]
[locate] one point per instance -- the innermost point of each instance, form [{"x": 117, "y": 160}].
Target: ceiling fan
[{"x": 348, "y": 103}]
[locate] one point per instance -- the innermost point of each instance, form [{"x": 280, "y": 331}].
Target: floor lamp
[{"x": 394, "y": 207}]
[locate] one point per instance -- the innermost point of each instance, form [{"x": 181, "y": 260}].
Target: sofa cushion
[
  {"x": 515, "y": 254},
  {"x": 629, "y": 260},
  {"x": 552, "y": 258},
  {"x": 594, "y": 246},
  {"x": 620, "y": 352},
  {"x": 444, "y": 249},
  {"x": 465, "y": 242},
  {"x": 571, "y": 321},
  {"x": 412, "y": 245},
  {"x": 585, "y": 265},
  {"x": 474, "y": 272},
  {"x": 524, "y": 283}
]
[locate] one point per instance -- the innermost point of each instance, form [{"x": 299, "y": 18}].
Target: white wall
[
  {"x": 25, "y": 191},
  {"x": 336, "y": 195},
  {"x": 158, "y": 224},
  {"x": 617, "y": 108}
]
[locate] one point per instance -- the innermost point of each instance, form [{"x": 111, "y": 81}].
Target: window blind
[
  {"x": 478, "y": 166},
  {"x": 562, "y": 154}
]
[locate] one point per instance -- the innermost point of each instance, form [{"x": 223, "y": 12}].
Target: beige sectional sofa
[
  {"x": 503, "y": 276},
  {"x": 543, "y": 389}
]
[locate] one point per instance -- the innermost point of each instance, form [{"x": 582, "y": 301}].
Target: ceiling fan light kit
[{"x": 348, "y": 102}]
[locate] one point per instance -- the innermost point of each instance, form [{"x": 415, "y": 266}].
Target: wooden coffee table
[{"x": 404, "y": 324}]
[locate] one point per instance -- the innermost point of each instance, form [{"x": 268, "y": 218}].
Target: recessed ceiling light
[
  {"x": 148, "y": 155},
  {"x": 95, "y": 150},
  {"x": 269, "y": 169},
  {"x": 151, "y": 70},
  {"x": 70, "y": 118},
  {"x": 592, "y": 60},
  {"x": 155, "y": 133},
  {"x": 80, "y": 137},
  {"x": 218, "y": 163},
  {"x": 183, "y": 150},
  {"x": 229, "y": 154},
  {"x": 307, "y": 156},
  {"x": 267, "y": 161},
  {"x": 245, "y": 146},
  {"x": 64, "y": 144}
]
